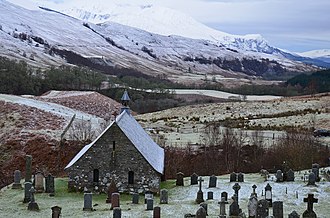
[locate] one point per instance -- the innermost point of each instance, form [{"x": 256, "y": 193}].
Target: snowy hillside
[{"x": 323, "y": 54}]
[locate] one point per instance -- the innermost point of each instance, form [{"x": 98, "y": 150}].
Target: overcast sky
[{"x": 296, "y": 25}]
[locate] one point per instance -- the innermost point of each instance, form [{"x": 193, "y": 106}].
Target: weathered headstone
[
  {"x": 278, "y": 209},
  {"x": 39, "y": 182},
  {"x": 111, "y": 189},
  {"x": 309, "y": 213},
  {"x": 17, "y": 180},
  {"x": 316, "y": 171},
  {"x": 224, "y": 195},
  {"x": 236, "y": 188},
  {"x": 209, "y": 195},
  {"x": 223, "y": 203},
  {"x": 279, "y": 176},
  {"x": 213, "y": 181},
  {"x": 88, "y": 202},
  {"x": 233, "y": 177},
  {"x": 240, "y": 177},
  {"x": 234, "y": 207},
  {"x": 56, "y": 211},
  {"x": 252, "y": 206},
  {"x": 50, "y": 184},
  {"x": 204, "y": 205},
  {"x": 135, "y": 198},
  {"x": 116, "y": 212},
  {"x": 115, "y": 200},
  {"x": 201, "y": 213},
  {"x": 200, "y": 197},
  {"x": 263, "y": 209},
  {"x": 156, "y": 213},
  {"x": 311, "y": 179},
  {"x": 28, "y": 168},
  {"x": 290, "y": 176},
  {"x": 179, "y": 179},
  {"x": 294, "y": 214},
  {"x": 268, "y": 194},
  {"x": 32, "y": 204},
  {"x": 27, "y": 194},
  {"x": 193, "y": 179},
  {"x": 164, "y": 196},
  {"x": 150, "y": 204},
  {"x": 148, "y": 194}
]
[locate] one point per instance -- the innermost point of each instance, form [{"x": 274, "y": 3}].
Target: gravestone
[
  {"x": 224, "y": 195},
  {"x": 201, "y": 213},
  {"x": 17, "y": 180},
  {"x": 309, "y": 213},
  {"x": 240, "y": 177},
  {"x": 263, "y": 209},
  {"x": 150, "y": 204},
  {"x": 112, "y": 188},
  {"x": 115, "y": 200},
  {"x": 252, "y": 206},
  {"x": 27, "y": 194},
  {"x": 135, "y": 198},
  {"x": 50, "y": 184},
  {"x": 268, "y": 194},
  {"x": 290, "y": 176},
  {"x": 164, "y": 196},
  {"x": 233, "y": 177},
  {"x": 148, "y": 194},
  {"x": 32, "y": 204},
  {"x": 156, "y": 212},
  {"x": 278, "y": 209},
  {"x": 179, "y": 179},
  {"x": 193, "y": 179},
  {"x": 279, "y": 176},
  {"x": 28, "y": 168},
  {"x": 294, "y": 214},
  {"x": 204, "y": 205},
  {"x": 316, "y": 171},
  {"x": 213, "y": 181},
  {"x": 209, "y": 195},
  {"x": 200, "y": 197},
  {"x": 234, "y": 207},
  {"x": 311, "y": 179},
  {"x": 236, "y": 188},
  {"x": 222, "y": 204},
  {"x": 56, "y": 211},
  {"x": 39, "y": 182},
  {"x": 116, "y": 212},
  {"x": 88, "y": 202},
  {"x": 254, "y": 187}
]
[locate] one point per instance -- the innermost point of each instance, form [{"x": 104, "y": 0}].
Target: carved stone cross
[
  {"x": 310, "y": 200},
  {"x": 200, "y": 180}
]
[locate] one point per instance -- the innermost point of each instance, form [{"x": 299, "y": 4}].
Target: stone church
[{"x": 123, "y": 152}]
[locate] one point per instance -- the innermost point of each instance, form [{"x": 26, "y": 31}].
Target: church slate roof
[{"x": 151, "y": 151}]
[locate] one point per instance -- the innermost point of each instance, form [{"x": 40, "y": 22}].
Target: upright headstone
[
  {"x": 311, "y": 179},
  {"x": 290, "y": 176},
  {"x": 209, "y": 195},
  {"x": 39, "y": 182},
  {"x": 279, "y": 176},
  {"x": 213, "y": 181},
  {"x": 116, "y": 212},
  {"x": 252, "y": 206},
  {"x": 50, "y": 184},
  {"x": 17, "y": 180},
  {"x": 240, "y": 177},
  {"x": 27, "y": 194},
  {"x": 135, "y": 198},
  {"x": 278, "y": 209},
  {"x": 263, "y": 209},
  {"x": 224, "y": 195},
  {"x": 201, "y": 213},
  {"x": 200, "y": 197},
  {"x": 112, "y": 188},
  {"x": 28, "y": 168},
  {"x": 32, "y": 204},
  {"x": 164, "y": 196},
  {"x": 268, "y": 194},
  {"x": 233, "y": 177},
  {"x": 156, "y": 212},
  {"x": 88, "y": 202},
  {"x": 179, "y": 179},
  {"x": 316, "y": 171},
  {"x": 150, "y": 204},
  {"x": 193, "y": 179},
  {"x": 56, "y": 211},
  {"x": 294, "y": 214},
  {"x": 236, "y": 188},
  {"x": 223, "y": 203},
  {"x": 148, "y": 194},
  {"x": 234, "y": 207},
  {"x": 115, "y": 200},
  {"x": 309, "y": 213}
]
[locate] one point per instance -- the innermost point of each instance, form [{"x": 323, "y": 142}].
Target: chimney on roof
[{"x": 124, "y": 100}]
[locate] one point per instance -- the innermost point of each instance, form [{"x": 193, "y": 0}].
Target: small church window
[
  {"x": 130, "y": 177},
  {"x": 113, "y": 145},
  {"x": 96, "y": 175}
]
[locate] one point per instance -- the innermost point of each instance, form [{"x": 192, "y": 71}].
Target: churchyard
[{"x": 179, "y": 200}]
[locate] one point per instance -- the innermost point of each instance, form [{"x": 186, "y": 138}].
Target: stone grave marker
[
  {"x": 150, "y": 204},
  {"x": 32, "y": 204},
  {"x": 268, "y": 194},
  {"x": 148, "y": 194},
  {"x": 116, "y": 212},
  {"x": 294, "y": 214},
  {"x": 252, "y": 206},
  {"x": 290, "y": 176},
  {"x": 233, "y": 177},
  {"x": 311, "y": 179},
  {"x": 278, "y": 209},
  {"x": 316, "y": 171},
  {"x": 201, "y": 213},
  {"x": 27, "y": 194},
  {"x": 164, "y": 196},
  {"x": 115, "y": 200},
  {"x": 50, "y": 184},
  {"x": 179, "y": 179},
  {"x": 263, "y": 209},
  {"x": 17, "y": 180},
  {"x": 309, "y": 213},
  {"x": 156, "y": 213},
  {"x": 234, "y": 207},
  {"x": 39, "y": 182},
  {"x": 240, "y": 177},
  {"x": 236, "y": 188},
  {"x": 222, "y": 204},
  {"x": 193, "y": 179},
  {"x": 279, "y": 176},
  {"x": 88, "y": 202},
  {"x": 209, "y": 195},
  {"x": 112, "y": 188},
  {"x": 204, "y": 205},
  {"x": 56, "y": 211},
  {"x": 28, "y": 168},
  {"x": 224, "y": 195},
  {"x": 135, "y": 198},
  {"x": 200, "y": 197},
  {"x": 254, "y": 187},
  {"x": 213, "y": 181}
]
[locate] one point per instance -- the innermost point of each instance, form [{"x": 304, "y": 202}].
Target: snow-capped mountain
[
  {"x": 323, "y": 54},
  {"x": 47, "y": 38}
]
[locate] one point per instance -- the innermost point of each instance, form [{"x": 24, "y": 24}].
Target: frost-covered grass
[{"x": 181, "y": 199}]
